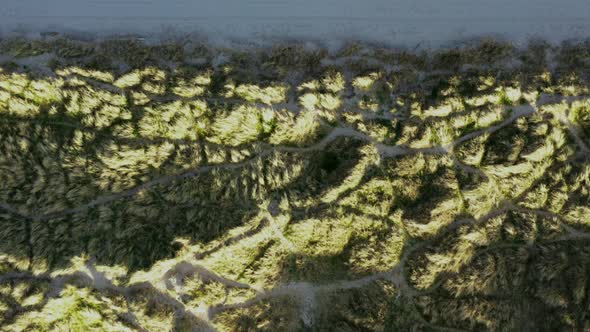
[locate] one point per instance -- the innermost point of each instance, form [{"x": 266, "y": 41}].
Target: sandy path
[{"x": 387, "y": 151}]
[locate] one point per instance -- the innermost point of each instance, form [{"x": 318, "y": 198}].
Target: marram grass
[{"x": 191, "y": 188}]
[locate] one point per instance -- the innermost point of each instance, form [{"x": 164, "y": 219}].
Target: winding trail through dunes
[
  {"x": 304, "y": 292},
  {"x": 517, "y": 112},
  {"x": 167, "y": 286},
  {"x": 383, "y": 219},
  {"x": 386, "y": 151}
]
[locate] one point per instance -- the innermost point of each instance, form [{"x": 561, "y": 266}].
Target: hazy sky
[{"x": 404, "y": 22}]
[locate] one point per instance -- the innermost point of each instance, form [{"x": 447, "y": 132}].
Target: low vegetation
[{"x": 191, "y": 188}]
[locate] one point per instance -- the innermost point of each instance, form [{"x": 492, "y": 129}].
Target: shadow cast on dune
[{"x": 289, "y": 190}]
